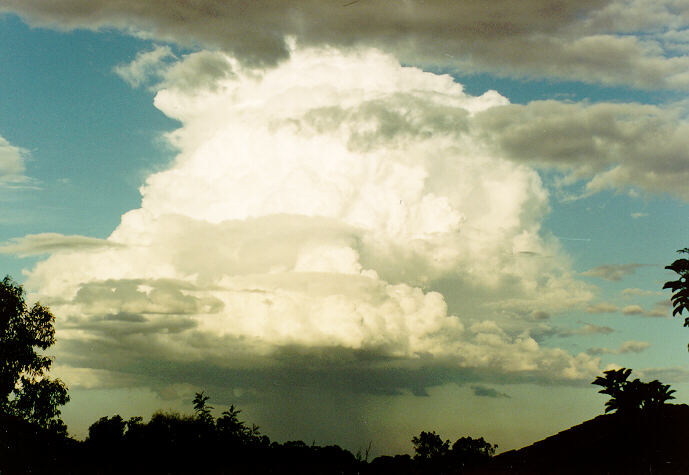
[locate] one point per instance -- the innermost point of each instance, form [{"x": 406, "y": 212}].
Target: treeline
[{"x": 175, "y": 443}]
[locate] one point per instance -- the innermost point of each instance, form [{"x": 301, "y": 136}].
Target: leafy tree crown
[
  {"x": 629, "y": 396},
  {"x": 25, "y": 388},
  {"x": 680, "y": 287}
]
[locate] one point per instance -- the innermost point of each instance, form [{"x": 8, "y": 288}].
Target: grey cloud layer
[
  {"x": 609, "y": 145},
  {"x": 566, "y": 39}
]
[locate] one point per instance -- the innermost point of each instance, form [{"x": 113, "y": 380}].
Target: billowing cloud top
[
  {"x": 642, "y": 43},
  {"x": 334, "y": 211}
]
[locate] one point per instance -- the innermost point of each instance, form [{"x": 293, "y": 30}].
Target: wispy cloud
[
  {"x": 640, "y": 292},
  {"x": 612, "y": 272},
  {"x": 602, "y": 307},
  {"x": 483, "y": 391},
  {"x": 147, "y": 66},
  {"x": 590, "y": 329},
  {"x": 626, "y": 347},
  {"x": 49, "y": 243},
  {"x": 13, "y": 165}
]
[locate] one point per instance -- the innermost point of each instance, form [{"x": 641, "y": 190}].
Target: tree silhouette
[
  {"x": 680, "y": 287},
  {"x": 469, "y": 452},
  {"x": 25, "y": 389},
  {"x": 628, "y": 396},
  {"x": 203, "y": 411},
  {"x": 429, "y": 445}
]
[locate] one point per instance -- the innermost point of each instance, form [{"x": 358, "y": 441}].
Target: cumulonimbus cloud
[
  {"x": 637, "y": 43},
  {"x": 324, "y": 224}
]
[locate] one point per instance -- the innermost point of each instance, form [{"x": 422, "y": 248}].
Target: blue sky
[{"x": 205, "y": 207}]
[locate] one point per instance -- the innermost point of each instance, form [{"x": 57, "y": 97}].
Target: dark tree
[
  {"x": 628, "y": 396},
  {"x": 25, "y": 389},
  {"x": 202, "y": 410},
  {"x": 107, "y": 432},
  {"x": 471, "y": 451},
  {"x": 429, "y": 445},
  {"x": 680, "y": 287}
]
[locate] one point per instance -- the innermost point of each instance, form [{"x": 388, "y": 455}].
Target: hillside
[{"x": 653, "y": 442}]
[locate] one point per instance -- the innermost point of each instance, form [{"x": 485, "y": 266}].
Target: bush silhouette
[{"x": 629, "y": 396}]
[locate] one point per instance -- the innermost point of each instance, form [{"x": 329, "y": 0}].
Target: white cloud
[
  {"x": 12, "y": 164},
  {"x": 146, "y": 66},
  {"x": 610, "y": 42},
  {"x": 159, "y": 68},
  {"x": 633, "y": 310},
  {"x": 314, "y": 218}
]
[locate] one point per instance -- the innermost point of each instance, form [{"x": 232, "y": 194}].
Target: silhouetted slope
[{"x": 644, "y": 442}]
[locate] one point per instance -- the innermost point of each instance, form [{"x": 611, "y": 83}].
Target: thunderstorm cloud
[{"x": 317, "y": 228}]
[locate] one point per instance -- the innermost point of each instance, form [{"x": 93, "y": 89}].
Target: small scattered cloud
[
  {"x": 602, "y": 307},
  {"x": 483, "y": 391},
  {"x": 612, "y": 272},
  {"x": 49, "y": 243},
  {"x": 587, "y": 329},
  {"x": 633, "y": 310},
  {"x": 626, "y": 347},
  {"x": 660, "y": 310}
]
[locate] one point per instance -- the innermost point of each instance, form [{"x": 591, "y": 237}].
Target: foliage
[
  {"x": 25, "y": 389},
  {"x": 203, "y": 411},
  {"x": 470, "y": 451},
  {"x": 680, "y": 287},
  {"x": 429, "y": 445},
  {"x": 628, "y": 396},
  {"x": 233, "y": 430},
  {"x": 434, "y": 455}
]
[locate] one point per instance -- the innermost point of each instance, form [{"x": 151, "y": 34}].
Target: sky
[{"x": 354, "y": 220}]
